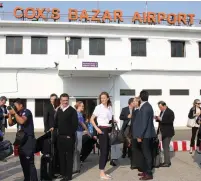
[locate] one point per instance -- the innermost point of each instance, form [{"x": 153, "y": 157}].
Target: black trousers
[
  {"x": 166, "y": 148},
  {"x": 194, "y": 134},
  {"x": 26, "y": 155},
  {"x": 104, "y": 147},
  {"x": 126, "y": 150},
  {"x": 146, "y": 147},
  {"x": 65, "y": 148},
  {"x": 137, "y": 158}
]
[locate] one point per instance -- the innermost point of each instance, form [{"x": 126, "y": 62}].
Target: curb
[
  {"x": 175, "y": 146},
  {"x": 179, "y": 146}
]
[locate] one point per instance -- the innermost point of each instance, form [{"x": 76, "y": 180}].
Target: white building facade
[{"x": 36, "y": 60}]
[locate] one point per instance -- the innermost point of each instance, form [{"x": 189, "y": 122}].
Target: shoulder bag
[{"x": 116, "y": 136}]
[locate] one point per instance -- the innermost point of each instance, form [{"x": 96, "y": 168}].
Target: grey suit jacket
[{"x": 143, "y": 126}]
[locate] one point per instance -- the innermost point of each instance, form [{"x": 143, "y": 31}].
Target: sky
[{"x": 128, "y": 8}]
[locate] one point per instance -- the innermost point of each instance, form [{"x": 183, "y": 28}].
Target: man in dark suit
[
  {"x": 166, "y": 129},
  {"x": 144, "y": 132},
  {"x": 126, "y": 115},
  {"x": 3, "y": 114},
  {"x": 49, "y": 112}
]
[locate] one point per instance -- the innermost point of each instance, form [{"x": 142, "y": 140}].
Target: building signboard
[
  {"x": 98, "y": 16},
  {"x": 89, "y": 64}
]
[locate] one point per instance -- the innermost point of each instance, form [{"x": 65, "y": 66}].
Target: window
[
  {"x": 127, "y": 92},
  {"x": 96, "y": 46},
  {"x": 199, "y": 47},
  {"x": 138, "y": 47},
  {"x": 74, "y": 45},
  {"x": 39, "y": 106},
  {"x": 14, "y": 44},
  {"x": 179, "y": 92},
  {"x": 11, "y": 101},
  {"x": 154, "y": 92},
  {"x": 177, "y": 48},
  {"x": 38, "y": 45}
]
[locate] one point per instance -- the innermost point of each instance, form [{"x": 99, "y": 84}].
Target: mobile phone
[{"x": 102, "y": 132}]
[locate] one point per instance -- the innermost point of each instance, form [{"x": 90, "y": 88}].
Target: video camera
[{"x": 12, "y": 106}]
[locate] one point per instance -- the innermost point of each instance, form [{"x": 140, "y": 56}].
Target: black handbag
[
  {"x": 20, "y": 138},
  {"x": 116, "y": 136}
]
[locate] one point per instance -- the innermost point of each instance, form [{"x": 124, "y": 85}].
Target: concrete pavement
[{"x": 184, "y": 167}]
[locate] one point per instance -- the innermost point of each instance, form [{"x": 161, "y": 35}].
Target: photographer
[{"x": 24, "y": 119}]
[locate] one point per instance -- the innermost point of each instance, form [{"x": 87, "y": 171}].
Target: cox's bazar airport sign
[{"x": 98, "y": 16}]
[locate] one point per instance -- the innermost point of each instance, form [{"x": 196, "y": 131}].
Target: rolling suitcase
[
  {"x": 87, "y": 146},
  {"x": 49, "y": 165}
]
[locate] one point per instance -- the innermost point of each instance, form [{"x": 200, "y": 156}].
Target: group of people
[
  {"x": 138, "y": 126},
  {"x": 138, "y": 129}
]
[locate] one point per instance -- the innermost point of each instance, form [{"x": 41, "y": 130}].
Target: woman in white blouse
[{"x": 103, "y": 113}]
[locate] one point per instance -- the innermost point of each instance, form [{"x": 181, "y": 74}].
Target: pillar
[{"x": 116, "y": 99}]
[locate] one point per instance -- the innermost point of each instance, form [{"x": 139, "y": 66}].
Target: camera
[{"x": 12, "y": 106}]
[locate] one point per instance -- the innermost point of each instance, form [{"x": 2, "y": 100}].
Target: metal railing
[{"x": 64, "y": 18}]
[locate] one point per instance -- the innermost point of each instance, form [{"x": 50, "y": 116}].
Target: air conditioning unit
[{"x": 80, "y": 54}]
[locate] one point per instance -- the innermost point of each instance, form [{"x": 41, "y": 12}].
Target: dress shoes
[
  {"x": 64, "y": 179},
  {"x": 141, "y": 174},
  {"x": 165, "y": 165},
  {"x": 146, "y": 177}
]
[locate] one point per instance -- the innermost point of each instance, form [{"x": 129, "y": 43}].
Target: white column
[{"x": 116, "y": 100}]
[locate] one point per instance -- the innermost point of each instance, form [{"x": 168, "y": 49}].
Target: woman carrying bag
[
  {"x": 194, "y": 116},
  {"x": 103, "y": 113}
]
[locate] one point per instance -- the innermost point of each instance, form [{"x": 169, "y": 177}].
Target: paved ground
[
  {"x": 185, "y": 167},
  {"x": 179, "y": 135}
]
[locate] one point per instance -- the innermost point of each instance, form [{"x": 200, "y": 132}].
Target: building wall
[
  {"x": 139, "y": 80},
  {"x": 35, "y": 76},
  {"x": 39, "y": 84}
]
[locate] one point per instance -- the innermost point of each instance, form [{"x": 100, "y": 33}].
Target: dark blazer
[
  {"x": 124, "y": 116},
  {"x": 48, "y": 115},
  {"x": 143, "y": 126},
  {"x": 1, "y": 116},
  {"x": 166, "y": 125}
]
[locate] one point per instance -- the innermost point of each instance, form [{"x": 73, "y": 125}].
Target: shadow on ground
[{"x": 197, "y": 158}]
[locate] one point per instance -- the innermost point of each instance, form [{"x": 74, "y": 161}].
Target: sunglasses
[{"x": 198, "y": 103}]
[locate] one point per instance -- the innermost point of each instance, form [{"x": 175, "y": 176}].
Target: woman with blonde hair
[
  {"x": 103, "y": 113},
  {"x": 194, "y": 113},
  {"x": 79, "y": 106}
]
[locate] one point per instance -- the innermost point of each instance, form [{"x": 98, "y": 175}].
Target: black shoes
[
  {"x": 165, "y": 165},
  {"x": 65, "y": 179}
]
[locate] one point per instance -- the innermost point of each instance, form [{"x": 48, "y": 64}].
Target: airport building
[{"x": 83, "y": 57}]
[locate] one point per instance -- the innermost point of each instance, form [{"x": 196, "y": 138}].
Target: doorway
[{"x": 89, "y": 106}]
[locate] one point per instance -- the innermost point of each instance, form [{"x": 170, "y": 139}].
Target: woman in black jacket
[{"x": 195, "y": 113}]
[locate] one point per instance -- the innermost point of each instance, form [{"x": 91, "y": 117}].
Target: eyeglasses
[{"x": 198, "y": 103}]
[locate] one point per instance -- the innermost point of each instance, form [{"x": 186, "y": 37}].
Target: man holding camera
[
  {"x": 3, "y": 114},
  {"x": 24, "y": 119}
]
